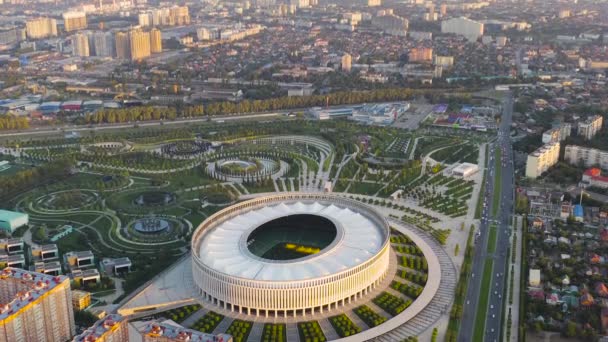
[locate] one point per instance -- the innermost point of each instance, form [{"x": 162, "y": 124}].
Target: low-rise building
[
  {"x": 12, "y": 246},
  {"x": 534, "y": 278},
  {"x": 79, "y": 259},
  {"x": 80, "y": 299},
  {"x": 15, "y": 261},
  {"x": 50, "y": 268},
  {"x": 593, "y": 177},
  {"x": 542, "y": 159},
  {"x": 45, "y": 252},
  {"x": 86, "y": 276},
  {"x": 465, "y": 170},
  {"x": 116, "y": 266},
  {"x": 11, "y": 220}
]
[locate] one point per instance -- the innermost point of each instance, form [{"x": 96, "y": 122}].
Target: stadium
[{"x": 292, "y": 254}]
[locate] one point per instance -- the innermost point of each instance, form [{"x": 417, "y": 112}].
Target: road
[
  {"x": 500, "y": 254},
  {"x": 82, "y": 128}
]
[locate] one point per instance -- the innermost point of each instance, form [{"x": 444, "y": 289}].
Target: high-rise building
[
  {"x": 104, "y": 44},
  {"x": 145, "y": 19},
  {"x": 589, "y": 128},
  {"x": 347, "y": 62},
  {"x": 542, "y": 159},
  {"x": 156, "y": 42},
  {"x": 73, "y": 21},
  {"x": 139, "y": 44},
  {"x": 112, "y": 328},
  {"x": 123, "y": 45},
  {"x": 80, "y": 45},
  {"x": 466, "y": 27},
  {"x": 373, "y": 3},
  {"x": 586, "y": 156},
  {"x": 179, "y": 15},
  {"x": 391, "y": 24},
  {"x": 421, "y": 54},
  {"x": 299, "y": 3},
  {"x": 443, "y": 10},
  {"x": 37, "y": 307},
  {"x": 10, "y": 35},
  {"x": 41, "y": 28}
]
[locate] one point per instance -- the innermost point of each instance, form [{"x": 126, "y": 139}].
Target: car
[
  {"x": 493, "y": 316},
  {"x": 491, "y": 306}
]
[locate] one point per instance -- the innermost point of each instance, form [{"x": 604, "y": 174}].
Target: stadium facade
[{"x": 235, "y": 271}]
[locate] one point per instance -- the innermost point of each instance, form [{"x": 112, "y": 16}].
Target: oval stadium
[{"x": 292, "y": 254}]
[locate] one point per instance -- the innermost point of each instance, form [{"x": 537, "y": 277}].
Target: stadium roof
[{"x": 223, "y": 250}]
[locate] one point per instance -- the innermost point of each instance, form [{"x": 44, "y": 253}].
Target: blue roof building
[
  {"x": 578, "y": 213},
  {"x": 11, "y": 220}
]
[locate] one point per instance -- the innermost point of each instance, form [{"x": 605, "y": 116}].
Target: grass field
[
  {"x": 497, "y": 183},
  {"x": 492, "y": 238},
  {"x": 482, "y": 306}
]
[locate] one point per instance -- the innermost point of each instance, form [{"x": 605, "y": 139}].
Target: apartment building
[
  {"x": 557, "y": 134},
  {"x": 576, "y": 155},
  {"x": 37, "y": 307},
  {"x": 590, "y": 127},
  {"x": 41, "y": 28},
  {"x": 112, "y": 328},
  {"x": 542, "y": 159}
]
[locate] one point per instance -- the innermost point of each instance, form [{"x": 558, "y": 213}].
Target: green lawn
[
  {"x": 482, "y": 306},
  {"x": 497, "y": 183},
  {"x": 492, "y": 239},
  {"x": 364, "y": 188}
]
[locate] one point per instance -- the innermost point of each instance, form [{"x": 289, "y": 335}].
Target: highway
[{"x": 500, "y": 255}]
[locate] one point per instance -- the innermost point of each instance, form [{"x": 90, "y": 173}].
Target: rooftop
[
  {"x": 99, "y": 328},
  {"x": 358, "y": 239},
  {"x": 181, "y": 334},
  {"x": 6, "y": 215},
  {"x": 38, "y": 283}
]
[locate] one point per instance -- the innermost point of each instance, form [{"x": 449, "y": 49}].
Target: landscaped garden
[
  {"x": 208, "y": 323},
  {"x": 369, "y": 316},
  {"x": 344, "y": 326},
  {"x": 311, "y": 332}
]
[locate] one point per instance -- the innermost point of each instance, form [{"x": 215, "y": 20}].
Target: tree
[{"x": 456, "y": 250}]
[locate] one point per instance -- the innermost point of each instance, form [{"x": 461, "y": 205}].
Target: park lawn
[
  {"x": 195, "y": 218},
  {"x": 364, "y": 188},
  {"x": 497, "y": 183},
  {"x": 482, "y": 306},
  {"x": 71, "y": 242},
  {"x": 260, "y": 189},
  {"x": 190, "y": 179},
  {"x": 492, "y": 238}
]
